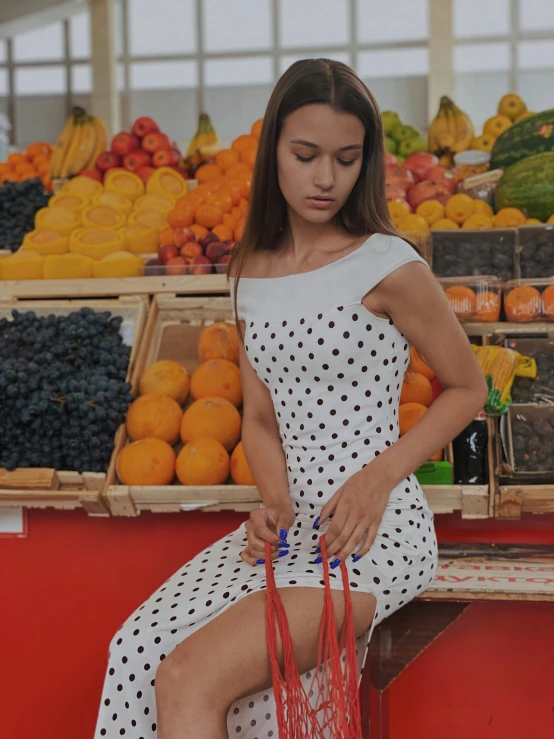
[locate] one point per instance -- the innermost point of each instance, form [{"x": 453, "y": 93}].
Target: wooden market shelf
[
  {"x": 513, "y": 500},
  {"x": 105, "y": 288},
  {"x": 48, "y": 488}
]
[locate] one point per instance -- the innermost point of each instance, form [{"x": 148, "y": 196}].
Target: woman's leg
[{"x": 226, "y": 659}]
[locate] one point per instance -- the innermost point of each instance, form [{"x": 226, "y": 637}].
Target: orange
[
  {"x": 256, "y": 129},
  {"x": 522, "y": 303},
  {"x": 235, "y": 189},
  {"x": 409, "y": 415},
  {"x": 397, "y": 210},
  {"x": 230, "y": 221},
  {"x": 208, "y": 172},
  {"x": 478, "y": 220},
  {"x": 431, "y": 210},
  {"x": 246, "y": 141},
  {"x": 533, "y": 222},
  {"x": 445, "y": 224},
  {"x": 248, "y": 157},
  {"x": 462, "y": 299},
  {"x": 509, "y": 218},
  {"x": 226, "y": 158},
  {"x": 209, "y": 215},
  {"x": 181, "y": 217},
  {"x": 482, "y": 208},
  {"x": 488, "y": 307},
  {"x": 416, "y": 389},
  {"x": 199, "y": 231},
  {"x": 222, "y": 200},
  {"x": 240, "y": 471},
  {"x": 418, "y": 364},
  {"x": 240, "y": 169},
  {"x": 223, "y": 232},
  {"x": 551, "y": 219},
  {"x": 496, "y": 125},
  {"x": 548, "y": 301},
  {"x": 413, "y": 222},
  {"x": 202, "y": 462},
  {"x": 459, "y": 207},
  {"x": 165, "y": 236}
]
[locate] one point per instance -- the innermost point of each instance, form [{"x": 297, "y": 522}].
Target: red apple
[
  {"x": 167, "y": 251},
  {"x": 215, "y": 251},
  {"x": 428, "y": 190},
  {"x": 390, "y": 160},
  {"x": 175, "y": 266},
  {"x": 108, "y": 160},
  {"x": 124, "y": 143},
  {"x": 153, "y": 142},
  {"x": 190, "y": 250},
  {"x": 221, "y": 268},
  {"x": 400, "y": 177},
  {"x": 145, "y": 172},
  {"x": 419, "y": 163},
  {"x": 182, "y": 236},
  {"x": 393, "y": 192},
  {"x": 145, "y": 125},
  {"x": 94, "y": 174},
  {"x": 136, "y": 160},
  {"x": 201, "y": 266},
  {"x": 442, "y": 176},
  {"x": 164, "y": 158}
]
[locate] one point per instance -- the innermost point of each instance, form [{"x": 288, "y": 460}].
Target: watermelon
[
  {"x": 529, "y": 186},
  {"x": 533, "y": 135}
]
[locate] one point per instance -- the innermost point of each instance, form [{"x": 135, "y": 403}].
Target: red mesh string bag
[{"x": 333, "y": 711}]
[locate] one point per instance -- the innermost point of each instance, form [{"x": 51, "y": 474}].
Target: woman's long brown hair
[{"x": 314, "y": 82}]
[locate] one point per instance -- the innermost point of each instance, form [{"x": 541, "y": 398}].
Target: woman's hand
[
  {"x": 270, "y": 524},
  {"x": 358, "y": 508}
]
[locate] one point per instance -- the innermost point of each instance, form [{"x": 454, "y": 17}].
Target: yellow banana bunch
[
  {"x": 82, "y": 140},
  {"x": 451, "y": 130},
  {"x": 205, "y": 143}
]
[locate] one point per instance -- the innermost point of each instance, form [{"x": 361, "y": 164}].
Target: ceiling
[{"x": 18, "y": 16}]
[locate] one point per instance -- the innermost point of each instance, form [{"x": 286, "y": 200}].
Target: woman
[{"x": 328, "y": 299}]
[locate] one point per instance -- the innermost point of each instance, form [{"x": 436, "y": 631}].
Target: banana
[
  {"x": 451, "y": 130},
  {"x": 60, "y": 148},
  {"x": 85, "y": 149},
  {"x": 72, "y": 149},
  {"x": 101, "y": 141},
  {"x": 205, "y": 143}
]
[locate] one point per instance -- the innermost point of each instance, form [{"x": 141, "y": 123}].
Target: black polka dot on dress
[{"x": 329, "y": 365}]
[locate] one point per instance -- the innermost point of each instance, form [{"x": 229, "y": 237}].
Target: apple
[
  {"x": 400, "y": 177},
  {"x": 190, "y": 250},
  {"x": 108, "y": 160},
  {"x": 93, "y": 174},
  {"x": 153, "y": 142},
  {"x": 182, "y": 236},
  {"x": 207, "y": 239},
  {"x": 201, "y": 266},
  {"x": 145, "y": 172},
  {"x": 442, "y": 176},
  {"x": 165, "y": 158},
  {"x": 124, "y": 143},
  {"x": 390, "y": 159},
  {"x": 136, "y": 160},
  {"x": 175, "y": 266},
  {"x": 393, "y": 192},
  {"x": 221, "y": 268},
  {"x": 145, "y": 125},
  {"x": 428, "y": 190},
  {"x": 167, "y": 251},
  {"x": 215, "y": 251},
  {"x": 419, "y": 163}
]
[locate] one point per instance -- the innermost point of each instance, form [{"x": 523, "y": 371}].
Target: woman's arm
[
  {"x": 416, "y": 303},
  {"x": 261, "y": 438}
]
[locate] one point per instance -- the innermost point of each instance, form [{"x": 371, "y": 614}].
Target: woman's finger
[
  {"x": 262, "y": 531},
  {"x": 355, "y": 540},
  {"x": 368, "y": 542},
  {"x": 337, "y": 535}
]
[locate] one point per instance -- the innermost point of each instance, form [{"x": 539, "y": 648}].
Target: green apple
[
  {"x": 412, "y": 145},
  {"x": 401, "y": 132},
  {"x": 390, "y": 119},
  {"x": 390, "y": 145}
]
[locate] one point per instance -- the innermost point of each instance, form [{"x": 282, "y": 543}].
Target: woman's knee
[{"x": 186, "y": 672}]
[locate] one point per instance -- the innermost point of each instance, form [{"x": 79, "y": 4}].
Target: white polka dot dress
[{"x": 334, "y": 371}]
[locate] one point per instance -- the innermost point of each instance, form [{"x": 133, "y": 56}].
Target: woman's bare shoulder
[{"x": 258, "y": 264}]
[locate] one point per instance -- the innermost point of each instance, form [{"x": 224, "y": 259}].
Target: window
[
  {"x": 393, "y": 63},
  {"x": 162, "y": 27},
  {"x": 474, "y": 18},
  {"x": 536, "y": 15},
  {"x": 40, "y": 81},
  {"x": 3, "y": 82},
  {"x": 163, "y": 75},
  {"x": 79, "y": 35},
  {"x": 535, "y": 55},
  {"x": 236, "y": 25},
  {"x": 247, "y": 71},
  {"x": 482, "y": 57},
  {"x": 44, "y": 43},
  {"x": 400, "y": 20},
  {"x": 3, "y": 53},
  {"x": 81, "y": 78},
  {"x": 288, "y": 59},
  {"x": 305, "y": 23}
]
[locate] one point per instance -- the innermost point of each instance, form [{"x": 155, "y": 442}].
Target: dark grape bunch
[
  {"x": 63, "y": 392},
  {"x": 19, "y": 201}
]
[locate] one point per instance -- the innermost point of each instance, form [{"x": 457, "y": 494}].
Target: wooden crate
[
  {"x": 174, "y": 326},
  {"x": 47, "y": 488}
]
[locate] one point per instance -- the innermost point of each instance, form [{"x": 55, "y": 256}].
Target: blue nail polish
[
  {"x": 282, "y": 554},
  {"x": 356, "y": 557},
  {"x": 316, "y": 522},
  {"x": 260, "y": 561},
  {"x": 318, "y": 561},
  {"x": 318, "y": 550},
  {"x": 283, "y": 534},
  {"x": 336, "y": 563},
  {"x": 283, "y": 545}
]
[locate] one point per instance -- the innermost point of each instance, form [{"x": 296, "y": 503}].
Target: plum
[
  {"x": 215, "y": 251},
  {"x": 167, "y": 251}
]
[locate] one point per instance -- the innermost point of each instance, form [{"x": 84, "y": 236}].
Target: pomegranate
[
  {"x": 393, "y": 192},
  {"x": 402, "y": 178},
  {"x": 442, "y": 176},
  {"x": 428, "y": 190},
  {"x": 419, "y": 163}
]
